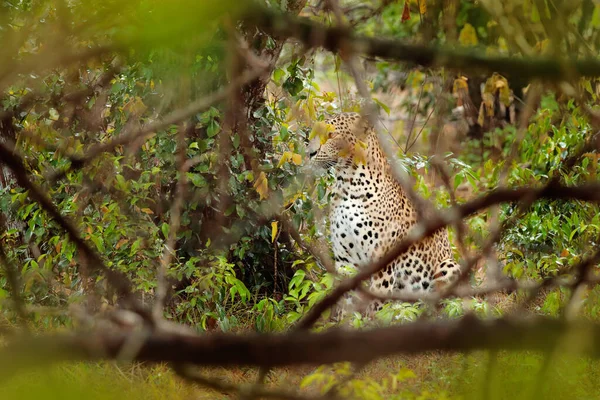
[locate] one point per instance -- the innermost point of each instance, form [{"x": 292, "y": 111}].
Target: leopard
[{"x": 370, "y": 212}]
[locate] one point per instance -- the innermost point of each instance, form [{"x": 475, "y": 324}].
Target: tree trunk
[{"x": 267, "y": 48}]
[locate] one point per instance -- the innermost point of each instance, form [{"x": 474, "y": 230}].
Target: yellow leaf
[
  {"x": 147, "y": 211},
  {"x": 422, "y": 6},
  {"x": 468, "y": 36},
  {"x": 121, "y": 243},
  {"x": 310, "y": 108},
  {"x": 261, "y": 185},
  {"x": 488, "y": 101},
  {"x": 360, "y": 152},
  {"x": 481, "y": 116},
  {"x": 296, "y": 159},
  {"x": 460, "y": 84},
  {"x": 498, "y": 84},
  {"x": 293, "y": 199},
  {"x": 505, "y": 97},
  {"x": 328, "y": 96},
  {"x": 284, "y": 158},
  {"x": 273, "y": 231},
  {"x": 502, "y": 45},
  {"x": 322, "y": 130}
]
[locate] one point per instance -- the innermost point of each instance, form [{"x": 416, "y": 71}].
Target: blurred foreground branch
[
  {"x": 302, "y": 348},
  {"x": 342, "y": 40}
]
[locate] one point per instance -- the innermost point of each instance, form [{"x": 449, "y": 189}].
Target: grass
[
  {"x": 507, "y": 375},
  {"x": 434, "y": 376}
]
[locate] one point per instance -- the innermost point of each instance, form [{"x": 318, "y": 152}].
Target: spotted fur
[{"x": 370, "y": 213}]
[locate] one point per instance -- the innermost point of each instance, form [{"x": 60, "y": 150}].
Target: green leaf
[
  {"x": 213, "y": 128},
  {"x": 278, "y": 75},
  {"x": 382, "y": 105},
  {"x": 165, "y": 229},
  {"x": 595, "y": 22},
  {"x": 293, "y": 85},
  {"x": 284, "y": 134},
  {"x": 458, "y": 178},
  {"x": 196, "y": 179}
]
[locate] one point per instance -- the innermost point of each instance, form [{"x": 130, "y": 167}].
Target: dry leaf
[
  {"x": 406, "y": 12},
  {"x": 261, "y": 185},
  {"x": 273, "y": 231}
]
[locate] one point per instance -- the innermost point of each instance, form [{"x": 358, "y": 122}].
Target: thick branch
[
  {"x": 343, "y": 40},
  {"x": 302, "y": 348}
]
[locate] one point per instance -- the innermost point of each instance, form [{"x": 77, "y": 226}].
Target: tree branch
[
  {"x": 303, "y": 348},
  {"x": 343, "y": 40}
]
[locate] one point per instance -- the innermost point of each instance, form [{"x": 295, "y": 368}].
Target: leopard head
[{"x": 334, "y": 143}]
